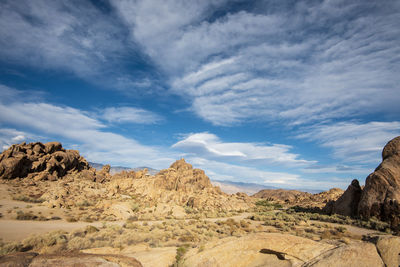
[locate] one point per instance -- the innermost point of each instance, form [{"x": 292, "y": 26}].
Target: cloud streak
[
  {"x": 352, "y": 141},
  {"x": 82, "y": 131},
  {"x": 120, "y": 115},
  {"x": 304, "y": 64},
  {"x": 209, "y": 146}
]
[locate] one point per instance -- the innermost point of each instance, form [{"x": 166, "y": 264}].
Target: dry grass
[
  {"x": 28, "y": 199},
  {"x": 168, "y": 233}
]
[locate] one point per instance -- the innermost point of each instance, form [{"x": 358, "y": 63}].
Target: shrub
[
  {"x": 84, "y": 203},
  {"x": 71, "y": 219},
  {"x": 268, "y": 204},
  {"x": 180, "y": 252},
  {"x": 25, "y": 216},
  {"x": 134, "y": 206},
  {"x": 28, "y": 199}
]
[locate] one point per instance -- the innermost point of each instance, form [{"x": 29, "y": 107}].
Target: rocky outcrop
[
  {"x": 381, "y": 195},
  {"x": 273, "y": 249},
  {"x": 356, "y": 254},
  {"x": 388, "y": 247},
  {"x": 281, "y": 195},
  {"x": 261, "y": 249},
  {"x": 48, "y": 161},
  {"x": 304, "y": 199},
  {"x": 181, "y": 176},
  {"x": 346, "y": 204},
  {"x": 180, "y": 184}
]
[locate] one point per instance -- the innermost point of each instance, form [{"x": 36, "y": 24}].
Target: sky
[{"x": 291, "y": 94}]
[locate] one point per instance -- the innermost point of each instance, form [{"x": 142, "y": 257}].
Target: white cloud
[
  {"x": 72, "y": 36},
  {"x": 209, "y": 146},
  {"x": 221, "y": 170},
  {"x": 354, "y": 142},
  {"x": 217, "y": 170},
  {"x": 346, "y": 169},
  {"x": 130, "y": 115},
  {"x": 310, "y": 63},
  {"x": 78, "y": 127},
  {"x": 10, "y": 136}
]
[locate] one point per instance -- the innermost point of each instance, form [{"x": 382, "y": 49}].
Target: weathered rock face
[
  {"x": 271, "y": 249},
  {"x": 180, "y": 184},
  {"x": 358, "y": 254},
  {"x": 43, "y": 161},
  {"x": 381, "y": 195},
  {"x": 347, "y": 204},
  {"x": 181, "y": 176},
  {"x": 304, "y": 199},
  {"x": 388, "y": 248},
  {"x": 260, "y": 249}
]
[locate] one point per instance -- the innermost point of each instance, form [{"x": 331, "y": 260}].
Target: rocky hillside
[
  {"x": 183, "y": 185},
  {"x": 63, "y": 179},
  {"x": 43, "y": 161},
  {"x": 295, "y": 197},
  {"x": 282, "y": 195},
  {"x": 380, "y": 197}
]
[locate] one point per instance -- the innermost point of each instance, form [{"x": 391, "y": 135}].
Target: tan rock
[
  {"x": 29, "y": 160},
  {"x": 52, "y": 147},
  {"x": 381, "y": 194},
  {"x": 261, "y": 249},
  {"x": 353, "y": 255},
  {"x": 388, "y": 248},
  {"x": 347, "y": 204},
  {"x": 18, "y": 259}
]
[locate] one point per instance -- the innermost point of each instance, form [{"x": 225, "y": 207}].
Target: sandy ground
[{"x": 15, "y": 230}]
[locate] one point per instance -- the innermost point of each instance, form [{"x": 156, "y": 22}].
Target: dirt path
[
  {"x": 350, "y": 228},
  {"x": 15, "y": 230}
]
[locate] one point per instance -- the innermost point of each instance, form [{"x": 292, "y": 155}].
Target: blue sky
[{"x": 294, "y": 94}]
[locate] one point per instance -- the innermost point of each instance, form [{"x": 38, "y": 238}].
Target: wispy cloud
[
  {"x": 218, "y": 170},
  {"x": 352, "y": 141},
  {"x": 78, "y": 127},
  {"x": 129, "y": 115},
  {"x": 71, "y": 36},
  {"x": 207, "y": 145},
  {"x": 307, "y": 63}
]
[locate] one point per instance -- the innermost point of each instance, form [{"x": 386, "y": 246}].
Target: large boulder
[
  {"x": 45, "y": 161},
  {"x": 388, "y": 247},
  {"x": 347, "y": 204},
  {"x": 353, "y": 255},
  {"x": 381, "y": 195},
  {"x": 260, "y": 249}
]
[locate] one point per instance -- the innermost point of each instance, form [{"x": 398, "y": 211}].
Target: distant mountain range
[
  {"x": 230, "y": 187},
  {"x": 117, "y": 169}
]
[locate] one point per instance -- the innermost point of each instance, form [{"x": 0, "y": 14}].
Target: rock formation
[
  {"x": 272, "y": 249},
  {"x": 346, "y": 204},
  {"x": 381, "y": 195},
  {"x": 304, "y": 199},
  {"x": 288, "y": 196},
  {"x": 48, "y": 161},
  {"x": 180, "y": 184}
]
